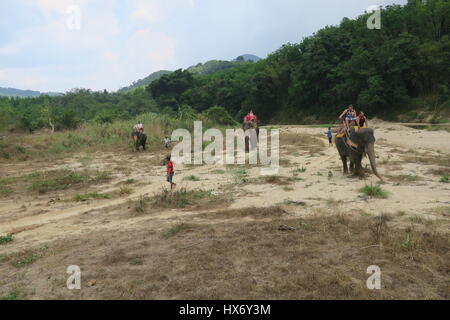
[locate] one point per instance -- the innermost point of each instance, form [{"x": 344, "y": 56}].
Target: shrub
[
  {"x": 219, "y": 116},
  {"x": 374, "y": 191}
]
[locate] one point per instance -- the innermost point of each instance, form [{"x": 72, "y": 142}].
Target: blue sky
[{"x": 118, "y": 41}]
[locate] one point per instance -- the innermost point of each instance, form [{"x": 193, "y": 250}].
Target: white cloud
[
  {"x": 190, "y": 3},
  {"x": 149, "y": 11},
  {"x": 149, "y": 51},
  {"x": 9, "y": 49}
]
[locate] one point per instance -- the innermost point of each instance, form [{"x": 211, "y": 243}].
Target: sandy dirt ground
[{"x": 407, "y": 158}]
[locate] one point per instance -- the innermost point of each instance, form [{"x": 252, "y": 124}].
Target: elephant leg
[
  {"x": 359, "y": 171},
  {"x": 344, "y": 163},
  {"x": 352, "y": 167}
]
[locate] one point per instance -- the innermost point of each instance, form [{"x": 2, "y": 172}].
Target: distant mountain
[
  {"x": 248, "y": 57},
  {"x": 146, "y": 81},
  {"x": 209, "y": 67},
  {"x": 12, "y": 92},
  {"x": 213, "y": 66}
]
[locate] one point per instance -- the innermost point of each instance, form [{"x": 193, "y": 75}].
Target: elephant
[
  {"x": 141, "y": 141},
  {"x": 365, "y": 141},
  {"x": 248, "y": 126}
]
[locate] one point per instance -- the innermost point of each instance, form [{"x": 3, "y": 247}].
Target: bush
[
  {"x": 374, "y": 191},
  {"x": 219, "y": 116}
]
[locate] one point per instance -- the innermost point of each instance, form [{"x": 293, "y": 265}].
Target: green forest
[{"x": 399, "y": 72}]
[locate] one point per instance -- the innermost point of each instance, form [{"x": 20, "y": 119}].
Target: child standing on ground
[
  {"x": 166, "y": 142},
  {"x": 170, "y": 173},
  {"x": 330, "y": 136}
]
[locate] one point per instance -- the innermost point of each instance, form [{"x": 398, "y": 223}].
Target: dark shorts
[
  {"x": 136, "y": 134},
  {"x": 170, "y": 178},
  {"x": 330, "y": 139}
]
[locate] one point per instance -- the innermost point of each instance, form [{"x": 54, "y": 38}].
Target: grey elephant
[{"x": 364, "y": 139}]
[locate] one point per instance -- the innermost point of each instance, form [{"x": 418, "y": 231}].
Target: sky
[{"x": 58, "y": 45}]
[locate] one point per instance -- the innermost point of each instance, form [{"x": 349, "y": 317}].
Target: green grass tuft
[
  {"x": 191, "y": 178},
  {"x": 445, "y": 179},
  {"x": 92, "y": 195},
  {"x": 6, "y": 239},
  {"x": 374, "y": 191}
]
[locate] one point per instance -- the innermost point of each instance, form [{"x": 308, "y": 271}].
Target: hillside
[
  {"x": 248, "y": 57},
  {"x": 146, "y": 81},
  {"x": 208, "y": 67},
  {"x": 12, "y": 92},
  {"x": 213, "y": 66}
]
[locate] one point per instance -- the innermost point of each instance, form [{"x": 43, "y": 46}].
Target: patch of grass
[
  {"x": 125, "y": 191},
  {"x": 24, "y": 258},
  {"x": 276, "y": 180},
  {"x": 404, "y": 178},
  {"x": 141, "y": 204},
  {"x": 374, "y": 191},
  {"x": 239, "y": 174},
  {"x": 43, "y": 182},
  {"x": 440, "y": 172},
  {"x": 6, "y": 239},
  {"x": 26, "y": 261},
  {"x": 101, "y": 176},
  {"x": 182, "y": 198},
  {"x": 5, "y": 190},
  {"x": 13, "y": 295},
  {"x": 191, "y": 178},
  {"x": 173, "y": 231},
  {"x": 401, "y": 213},
  {"x": 21, "y": 149},
  {"x": 421, "y": 220},
  {"x": 92, "y": 195},
  {"x": 130, "y": 181},
  {"x": 331, "y": 202},
  {"x": 261, "y": 213},
  {"x": 85, "y": 160},
  {"x": 299, "y": 170},
  {"x": 440, "y": 160},
  {"x": 445, "y": 179},
  {"x": 58, "y": 180}
]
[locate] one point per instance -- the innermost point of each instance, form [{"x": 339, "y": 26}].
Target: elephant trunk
[{"x": 370, "y": 150}]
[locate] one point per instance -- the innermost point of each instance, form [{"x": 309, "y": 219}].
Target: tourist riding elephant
[
  {"x": 141, "y": 141},
  {"x": 365, "y": 143},
  {"x": 248, "y": 125}
]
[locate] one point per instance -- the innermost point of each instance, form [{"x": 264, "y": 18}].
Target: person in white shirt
[{"x": 138, "y": 129}]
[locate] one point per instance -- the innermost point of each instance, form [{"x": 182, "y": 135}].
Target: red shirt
[{"x": 170, "y": 167}]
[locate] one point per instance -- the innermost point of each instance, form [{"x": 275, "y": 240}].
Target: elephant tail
[{"x": 370, "y": 151}]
